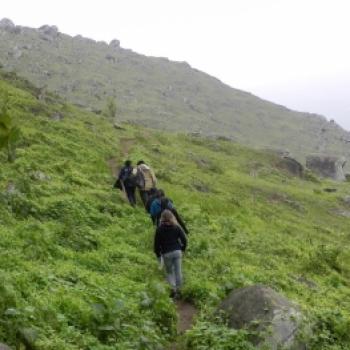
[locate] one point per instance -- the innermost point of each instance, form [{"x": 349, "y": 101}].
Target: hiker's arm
[
  {"x": 183, "y": 239},
  {"x": 179, "y": 220}
]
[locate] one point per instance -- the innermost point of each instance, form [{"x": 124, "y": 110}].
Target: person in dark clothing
[
  {"x": 159, "y": 204},
  {"x": 169, "y": 243},
  {"x": 127, "y": 181}
]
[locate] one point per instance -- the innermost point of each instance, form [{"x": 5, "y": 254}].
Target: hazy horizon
[{"x": 288, "y": 52}]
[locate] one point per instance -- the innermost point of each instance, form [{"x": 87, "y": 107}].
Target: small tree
[
  {"x": 111, "y": 108},
  {"x": 9, "y": 133}
]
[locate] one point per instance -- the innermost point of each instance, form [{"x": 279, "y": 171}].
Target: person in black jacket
[
  {"x": 127, "y": 181},
  {"x": 159, "y": 204},
  {"x": 169, "y": 243}
]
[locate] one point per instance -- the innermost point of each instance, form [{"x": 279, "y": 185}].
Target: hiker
[
  {"x": 146, "y": 180},
  {"x": 159, "y": 204},
  {"x": 127, "y": 182},
  {"x": 151, "y": 197},
  {"x": 169, "y": 243}
]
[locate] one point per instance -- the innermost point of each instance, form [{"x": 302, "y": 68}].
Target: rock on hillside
[
  {"x": 160, "y": 93},
  {"x": 262, "y": 310}
]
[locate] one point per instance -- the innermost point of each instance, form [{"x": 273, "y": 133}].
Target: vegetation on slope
[
  {"x": 161, "y": 94},
  {"x": 77, "y": 266}
]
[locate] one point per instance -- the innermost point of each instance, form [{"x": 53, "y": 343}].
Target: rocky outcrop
[
  {"x": 48, "y": 32},
  {"x": 274, "y": 318},
  {"x": 114, "y": 44},
  {"x": 291, "y": 165},
  {"x": 327, "y": 166},
  {"x": 7, "y": 25}
]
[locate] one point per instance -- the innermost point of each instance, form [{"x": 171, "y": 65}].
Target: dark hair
[
  {"x": 153, "y": 191},
  {"x": 127, "y": 163},
  {"x": 140, "y": 162},
  {"x": 160, "y": 194}
]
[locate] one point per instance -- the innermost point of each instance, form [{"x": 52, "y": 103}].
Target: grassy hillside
[
  {"x": 162, "y": 94},
  {"x": 77, "y": 266}
]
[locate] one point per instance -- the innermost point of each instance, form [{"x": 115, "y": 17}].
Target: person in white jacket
[{"x": 146, "y": 180}]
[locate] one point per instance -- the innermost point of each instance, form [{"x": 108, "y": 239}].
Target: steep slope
[
  {"x": 76, "y": 262},
  {"x": 159, "y": 93}
]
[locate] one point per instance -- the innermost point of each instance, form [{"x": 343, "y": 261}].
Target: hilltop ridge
[{"x": 160, "y": 93}]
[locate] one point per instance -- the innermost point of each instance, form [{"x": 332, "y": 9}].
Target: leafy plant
[{"x": 9, "y": 133}]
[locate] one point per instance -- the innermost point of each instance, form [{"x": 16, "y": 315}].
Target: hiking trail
[
  {"x": 186, "y": 314},
  {"x": 114, "y": 163}
]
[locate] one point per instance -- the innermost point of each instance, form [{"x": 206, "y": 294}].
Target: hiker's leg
[
  {"x": 177, "y": 268},
  {"x": 169, "y": 269},
  {"x": 144, "y": 197},
  {"x": 130, "y": 192}
]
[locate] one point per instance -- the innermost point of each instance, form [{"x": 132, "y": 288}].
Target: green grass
[{"x": 76, "y": 262}]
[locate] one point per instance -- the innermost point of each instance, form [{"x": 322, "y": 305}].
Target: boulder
[
  {"x": 292, "y": 166},
  {"x": 48, "y": 32},
  {"x": 4, "y": 347},
  {"x": 114, "y": 44},
  {"x": 7, "y": 24},
  {"x": 110, "y": 58},
  {"x": 327, "y": 166},
  {"x": 272, "y": 317},
  {"x": 118, "y": 126}
]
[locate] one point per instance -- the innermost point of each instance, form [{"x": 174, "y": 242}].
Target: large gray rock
[
  {"x": 327, "y": 166},
  {"x": 48, "y": 32},
  {"x": 115, "y": 44},
  {"x": 258, "y": 308},
  {"x": 7, "y": 25},
  {"x": 292, "y": 166},
  {"x": 4, "y": 347}
]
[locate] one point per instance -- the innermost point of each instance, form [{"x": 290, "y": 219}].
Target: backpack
[{"x": 130, "y": 179}]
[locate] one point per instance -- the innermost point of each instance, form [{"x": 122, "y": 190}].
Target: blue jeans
[{"x": 172, "y": 263}]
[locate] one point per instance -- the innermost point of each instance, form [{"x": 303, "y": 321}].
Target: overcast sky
[{"x": 292, "y": 52}]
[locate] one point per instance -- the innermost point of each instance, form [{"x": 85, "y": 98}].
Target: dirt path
[
  {"x": 186, "y": 313},
  {"x": 115, "y": 162}
]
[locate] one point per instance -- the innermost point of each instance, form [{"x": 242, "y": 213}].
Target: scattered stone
[
  {"x": 16, "y": 53},
  {"x": 310, "y": 284},
  {"x": 341, "y": 212},
  {"x": 4, "y": 347},
  {"x": 110, "y": 58},
  {"x": 346, "y": 200},
  {"x": 201, "y": 187},
  {"x": 57, "y": 117},
  {"x": 196, "y": 134},
  {"x": 274, "y": 318},
  {"x": 327, "y": 166},
  {"x": 11, "y": 189},
  {"x": 114, "y": 44},
  {"x": 223, "y": 138},
  {"x": 330, "y": 190},
  {"x": 118, "y": 126},
  {"x": 292, "y": 166},
  {"x": 40, "y": 176}
]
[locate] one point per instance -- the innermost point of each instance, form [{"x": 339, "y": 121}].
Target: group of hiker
[{"x": 170, "y": 239}]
